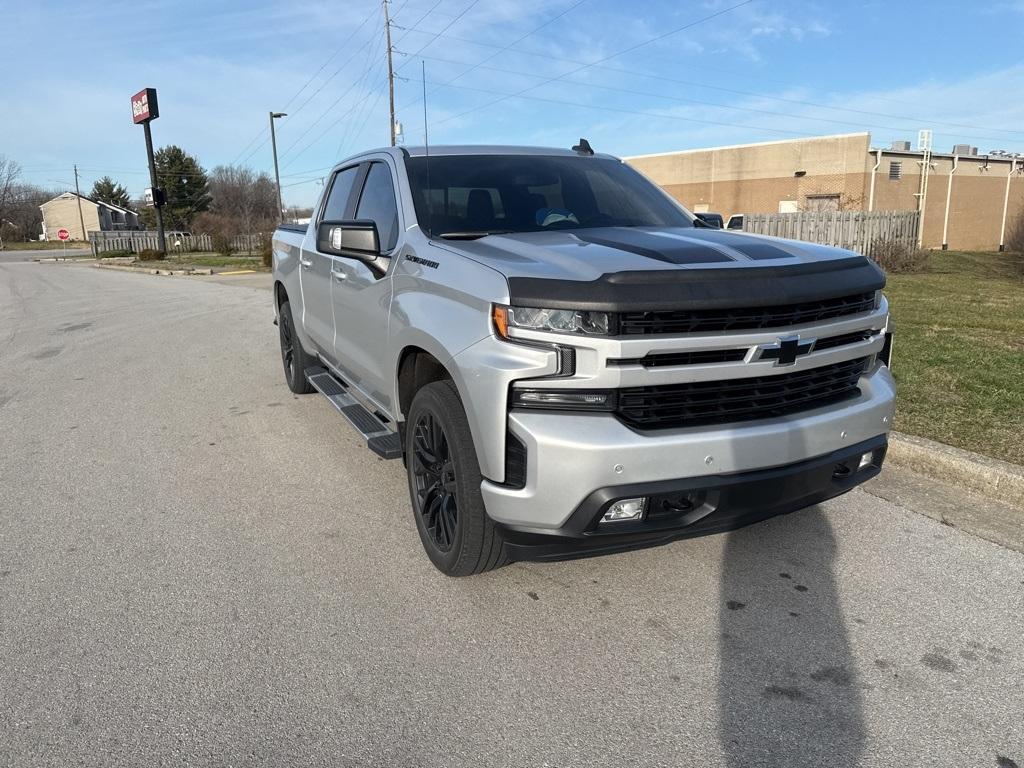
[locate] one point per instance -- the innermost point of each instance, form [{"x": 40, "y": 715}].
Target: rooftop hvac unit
[
  {"x": 964, "y": 149},
  {"x": 901, "y": 146}
]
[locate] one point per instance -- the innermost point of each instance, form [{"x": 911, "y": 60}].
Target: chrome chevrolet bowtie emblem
[{"x": 785, "y": 351}]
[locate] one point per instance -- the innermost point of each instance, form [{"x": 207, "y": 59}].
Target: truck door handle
[
  {"x": 338, "y": 275},
  {"x": 306, "y": 263}
]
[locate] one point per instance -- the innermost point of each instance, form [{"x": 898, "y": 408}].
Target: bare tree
[
  {"x": 241, "y": 203},
  {"x": 10, "y": 172},
  {"x": 247, "y": 198},
  {"x": 24, "y": 219}
]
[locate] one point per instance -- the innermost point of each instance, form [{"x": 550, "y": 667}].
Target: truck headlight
[{"x": 555, "y": 320}]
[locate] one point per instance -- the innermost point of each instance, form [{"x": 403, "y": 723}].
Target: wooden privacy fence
[
  {"x": 856, "y": 230},
  {"x": 133, "y": 242}
]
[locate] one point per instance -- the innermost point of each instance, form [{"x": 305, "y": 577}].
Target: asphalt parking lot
[{"x": 199, "y": 568}]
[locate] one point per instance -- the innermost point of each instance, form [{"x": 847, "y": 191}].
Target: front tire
[
  {"x": 293, "y": 356},
  {"x": 444, "y": 485}
]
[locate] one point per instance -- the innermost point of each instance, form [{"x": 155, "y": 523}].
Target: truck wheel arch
[
  {"x": 417, "y": 368},
  {"x": 280, "y": 294}
]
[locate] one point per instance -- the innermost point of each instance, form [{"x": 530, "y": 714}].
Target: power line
[
  {"x": 706, "y": 85},
  {"x": 365, "y": 107},
  {"x": 413, "y": 27},
  {"x": 306, "y": 84},
  {"x": 310, "y": 127},
  {"x": 682, "y": 99},
  {"x": 620, "y": 110},
  {"x": 332, "y": 76},
  {"x": 662, "y": 36},
  {"x": 356, "y": 83},
  {"x": 369, "y": 113},
  {"x": 504, "y": 48},
  {"x": 341, "y": 117},
  {"x": 450, "y": 24}
]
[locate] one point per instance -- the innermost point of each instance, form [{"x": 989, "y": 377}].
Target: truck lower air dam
[{"x": 625, "y": 509}]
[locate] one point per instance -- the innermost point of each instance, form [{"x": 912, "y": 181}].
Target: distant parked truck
[
  {"x": 735, "y": 221},
  {"x": 566, "y": 363},
  {"x": 711, "y": 219}
]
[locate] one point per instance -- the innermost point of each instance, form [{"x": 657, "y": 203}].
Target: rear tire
[
  {"x": 293, "y": 356},
  {"x": 444, "y": 485}
]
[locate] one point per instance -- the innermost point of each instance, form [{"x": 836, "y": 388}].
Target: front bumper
[
  {"x": 721, "y": 503},
  {"x": 570, "y": 455}
]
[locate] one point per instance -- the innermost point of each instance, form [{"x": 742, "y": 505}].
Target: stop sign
[{"x": 63, "y": 234}]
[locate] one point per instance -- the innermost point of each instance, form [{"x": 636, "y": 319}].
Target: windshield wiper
[{"x": 474, "y": 235}]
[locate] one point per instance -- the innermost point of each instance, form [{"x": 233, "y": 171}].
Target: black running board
[{"x": 379, "y": 439}]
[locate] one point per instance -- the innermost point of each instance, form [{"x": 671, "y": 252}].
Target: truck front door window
[
  {"x": 341, "y": 190},
  {"x": 378, "y": 204}
]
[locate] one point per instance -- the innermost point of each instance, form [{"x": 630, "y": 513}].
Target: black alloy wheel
[
  {"x": 293, "y": 356},
  {"x": 435, "y": 481},
  {"x": 444, "y": 485},
  {"x": 288, "y": 346}
]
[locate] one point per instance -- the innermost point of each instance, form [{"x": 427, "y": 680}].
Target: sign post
[
  {"x": 144, "y": 110},
  {"x": 64, "y": 236}
]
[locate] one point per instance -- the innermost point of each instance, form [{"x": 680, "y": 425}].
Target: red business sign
[
  {"x": 63, "y": 234},
  {"x": 144, "y": 106}
]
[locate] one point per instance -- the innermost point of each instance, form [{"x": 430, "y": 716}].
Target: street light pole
[{"x": 277, "y": 173}]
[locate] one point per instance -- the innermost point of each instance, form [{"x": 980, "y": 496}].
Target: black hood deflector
[{"x": 746, "y": 285}]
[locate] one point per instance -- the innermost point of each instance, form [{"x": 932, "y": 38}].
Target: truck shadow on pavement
[{"x": 788, "y": 693}]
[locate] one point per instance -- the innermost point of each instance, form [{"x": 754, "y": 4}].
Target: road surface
[
  {"x": 9, "y": 256},
  {"x": 199, "y": 568}
]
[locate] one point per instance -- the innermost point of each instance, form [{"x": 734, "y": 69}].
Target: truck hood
[{"x": 629, "y": 268}]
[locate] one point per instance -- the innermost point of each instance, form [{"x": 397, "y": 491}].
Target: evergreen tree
[
  {"x": 107, "y": 191},
  {"x": 185, "y": 184}
]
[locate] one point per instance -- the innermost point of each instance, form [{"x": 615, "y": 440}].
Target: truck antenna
[
  {"x": 583, "y": 148},
  {"x": 426, "y": 152}
]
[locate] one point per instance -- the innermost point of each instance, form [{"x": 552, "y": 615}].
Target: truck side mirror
[{"x": 357, "y": 239}]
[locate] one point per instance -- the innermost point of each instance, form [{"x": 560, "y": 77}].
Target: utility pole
[
  {"x": 277, "y": 173},
  {"x": 81, "y": 219},
  {"x": 391, "y": 71}
]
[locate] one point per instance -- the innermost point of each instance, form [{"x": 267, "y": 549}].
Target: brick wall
[{"x": 756, "y": 178}]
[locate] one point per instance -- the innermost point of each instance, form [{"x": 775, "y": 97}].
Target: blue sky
[{"x": 769, "y": 69}]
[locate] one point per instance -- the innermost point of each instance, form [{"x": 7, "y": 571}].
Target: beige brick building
[
  {"x": 62, "y": 213},
  {"x": 844, "y": 172}
]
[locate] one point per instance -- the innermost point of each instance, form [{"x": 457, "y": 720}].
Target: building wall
[
  {"x": 62, "y": 212},
  {"x": 756, "y": 178},
  {"x": 976, "y": 202},
  {"x": 761, "y": 178}
]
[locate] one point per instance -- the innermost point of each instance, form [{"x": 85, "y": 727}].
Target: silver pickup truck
[{"x": 568, "y": 361}]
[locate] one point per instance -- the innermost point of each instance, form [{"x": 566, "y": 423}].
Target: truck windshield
[{"x": 475, "y": 195}]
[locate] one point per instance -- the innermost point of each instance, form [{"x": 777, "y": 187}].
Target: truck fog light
[
  {"x": 865, "y": 461},
  {"x": 626, "y": 509}
]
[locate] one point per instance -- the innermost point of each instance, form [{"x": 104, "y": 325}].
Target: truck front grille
[
  {"x": 724, "y": 402},
  {"x": 706, "y": 320}
]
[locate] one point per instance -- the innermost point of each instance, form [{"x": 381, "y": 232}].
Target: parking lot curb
[
  {"x": 156, "y": 270},
  {"x": 998, "y": 480}
]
